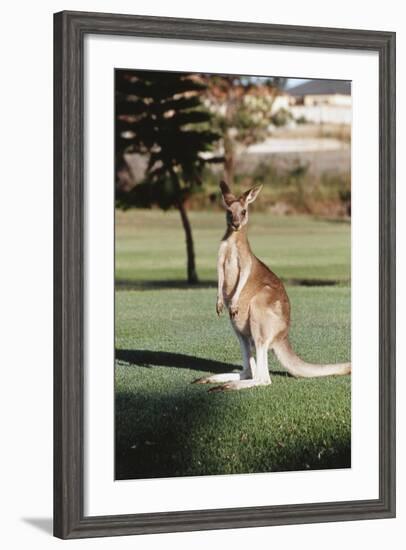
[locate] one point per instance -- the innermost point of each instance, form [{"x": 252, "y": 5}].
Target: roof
[{"x": 322, "y": 87}]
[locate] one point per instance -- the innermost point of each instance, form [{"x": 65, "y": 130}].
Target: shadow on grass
[
  {"x": 147, "y": 358},
  {"x": 162, "y": 435},
  {"x": 312, "y": 282},
  {"x": 340, "y": 221},
  {"x": 128, "y": 284}
]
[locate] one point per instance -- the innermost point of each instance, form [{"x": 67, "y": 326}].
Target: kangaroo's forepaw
[
  {"x": 233, "y": 310},
  {"x": 219, "y": 307}
]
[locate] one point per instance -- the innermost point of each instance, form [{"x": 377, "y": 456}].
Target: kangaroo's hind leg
[
  {"x": 267, "y": 324},
  {"x": 248, "y": 369},
  {"x": 259, "y": 374}
]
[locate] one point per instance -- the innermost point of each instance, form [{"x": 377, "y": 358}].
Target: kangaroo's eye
[{"x": 243, "y": 212}]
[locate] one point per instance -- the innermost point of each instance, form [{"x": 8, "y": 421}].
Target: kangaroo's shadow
[{"x": 148, "y": 358}]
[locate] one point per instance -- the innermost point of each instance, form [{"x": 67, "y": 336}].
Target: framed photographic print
[{"x": 224, "y": 275}]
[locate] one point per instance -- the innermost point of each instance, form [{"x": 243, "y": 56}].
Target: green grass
[
  {"x": 167, "y": 337},
  {"x": 150, "y": 246}
]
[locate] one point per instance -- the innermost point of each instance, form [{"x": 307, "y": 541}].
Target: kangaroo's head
[{"x": 237, "y": 208}]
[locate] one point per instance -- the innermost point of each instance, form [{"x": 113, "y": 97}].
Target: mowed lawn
[
  {"x": 167, "y": 335},
  {"x": 150, "y": 246}
]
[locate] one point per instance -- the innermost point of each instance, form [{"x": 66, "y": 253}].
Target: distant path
[
  {"x": 284, "y": 155},
  {"x": 297, "y": 145}
]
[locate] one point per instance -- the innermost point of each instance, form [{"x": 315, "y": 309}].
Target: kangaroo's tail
[{"x": 299, "y": 368}]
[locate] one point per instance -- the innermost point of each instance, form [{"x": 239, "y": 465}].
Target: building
[
  {"x": 322, "y": 101},
  {"x": 322, "y": 92}
]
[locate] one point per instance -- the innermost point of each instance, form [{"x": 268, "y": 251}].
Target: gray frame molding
[{"x": 69, "y": 31}]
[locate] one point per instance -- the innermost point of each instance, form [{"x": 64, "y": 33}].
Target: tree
[
  {"x": 242, "y": 109},
  {"x": 160, "y": 115}
]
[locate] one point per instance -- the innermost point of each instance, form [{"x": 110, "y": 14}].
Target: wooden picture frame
[{"x": 70, "y": 29}]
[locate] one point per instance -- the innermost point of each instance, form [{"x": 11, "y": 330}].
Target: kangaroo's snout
[{"x": 235, "y": 225}]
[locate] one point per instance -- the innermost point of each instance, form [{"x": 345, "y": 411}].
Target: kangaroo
[{"x": 258, "y": 306}]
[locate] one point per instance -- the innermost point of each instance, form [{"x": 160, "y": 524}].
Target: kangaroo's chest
[{"x": 231, "y": 268}]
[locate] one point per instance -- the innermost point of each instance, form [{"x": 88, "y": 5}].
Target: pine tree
[{"x": 160, "y": 115}]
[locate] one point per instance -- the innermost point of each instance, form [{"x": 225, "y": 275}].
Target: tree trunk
[
  {"x": 228, "y": 159},
  {"x": 190, "y": 249}
]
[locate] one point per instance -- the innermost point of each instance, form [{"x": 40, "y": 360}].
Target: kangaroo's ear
[
  {"x": 228, "y": 197},
  {"x": 252, "y": 194}
]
